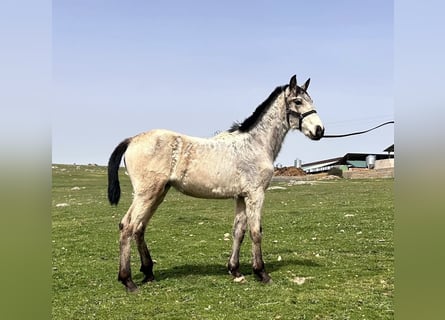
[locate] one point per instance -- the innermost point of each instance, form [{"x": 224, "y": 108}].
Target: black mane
[{"x": 251, "y": 121}]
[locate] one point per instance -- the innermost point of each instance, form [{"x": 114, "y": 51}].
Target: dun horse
[{"x": 237, "y": 164}]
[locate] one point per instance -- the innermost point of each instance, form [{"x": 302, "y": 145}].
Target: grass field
[{"x": 328, "y": 247}]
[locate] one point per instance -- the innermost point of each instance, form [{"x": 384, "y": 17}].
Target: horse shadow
[{"x": 214, "y": 269}]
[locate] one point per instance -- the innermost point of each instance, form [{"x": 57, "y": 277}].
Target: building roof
[
  {"x": 323, "y": 162},
  {"x": 320, "y": 165},
  {"x": 390, "y": 148},
  {"x": 362, "y": 156}
]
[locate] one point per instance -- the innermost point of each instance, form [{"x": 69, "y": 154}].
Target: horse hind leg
[
  {"x": 133, "y": 225},
  {"x": 126, "y": 234},
  {"x": 144, "y": 253}
]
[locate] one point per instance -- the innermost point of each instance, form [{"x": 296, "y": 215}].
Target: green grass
[{"x": 337, "y": 234}]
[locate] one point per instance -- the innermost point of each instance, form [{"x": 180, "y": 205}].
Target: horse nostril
[{"x": 319, "y": 131}]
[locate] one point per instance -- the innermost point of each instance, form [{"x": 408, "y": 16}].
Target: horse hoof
[
  {"x": 133, "y": 290},
  {"x": 267, "y": 280},
  {"x": 148, "y": 279},
  {"x": 130, "y": 286},
  {"x": 263, "y": 277}
]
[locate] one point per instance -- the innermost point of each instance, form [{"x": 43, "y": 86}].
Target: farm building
[{"x": 351, "y": 161}]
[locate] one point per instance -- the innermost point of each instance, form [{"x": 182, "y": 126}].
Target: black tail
[{"x": 114, "y": 189}]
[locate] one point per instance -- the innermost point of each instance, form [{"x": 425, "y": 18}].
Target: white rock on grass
[
  {"x": 301, "y": 280},
  {"x": 61, "y": 205},
  {"x": 239, "y": 279},
  {"x": 276, "y": 188}
]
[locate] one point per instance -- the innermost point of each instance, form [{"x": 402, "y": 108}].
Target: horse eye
[{"x": 298, "y": 102}]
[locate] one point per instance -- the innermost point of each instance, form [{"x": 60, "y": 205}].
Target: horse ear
[
  {"x": 306, "y": 84},
  {"x": 293, "y": 82}
]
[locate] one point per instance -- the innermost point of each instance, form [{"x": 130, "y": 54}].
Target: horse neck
[{"x": 271, "y": 130}]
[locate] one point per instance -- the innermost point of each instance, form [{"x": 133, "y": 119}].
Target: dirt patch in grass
[{"x": 289, "y": 172}]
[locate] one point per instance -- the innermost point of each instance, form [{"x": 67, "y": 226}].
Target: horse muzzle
[{"x": 319, "y": 132}]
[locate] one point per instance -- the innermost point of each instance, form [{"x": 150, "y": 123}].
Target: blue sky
[{"x": 123, "y": 67}]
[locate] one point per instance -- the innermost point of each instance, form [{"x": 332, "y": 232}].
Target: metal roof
[
  {"x": 390, "y": 148},
  {"x": 322, "y": 162},
  {"x": 318, "y": 164}
]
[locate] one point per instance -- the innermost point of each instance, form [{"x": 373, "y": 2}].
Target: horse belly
[
  {"x": 206, "y": 169},
  {"x": 208, "y": 179},
  {"x": 210, "y": 187}
]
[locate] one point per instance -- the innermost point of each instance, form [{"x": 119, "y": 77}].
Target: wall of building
[
  {"x": 369, "y": 174},
  {"x": 384, "y": 163}
]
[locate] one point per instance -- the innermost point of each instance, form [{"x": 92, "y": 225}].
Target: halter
[
  {"x": 296, "y": 114},
  {"x": 299, "y": 115}
]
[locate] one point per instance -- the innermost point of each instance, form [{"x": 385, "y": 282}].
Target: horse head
[{"x": 301, "y": 113}]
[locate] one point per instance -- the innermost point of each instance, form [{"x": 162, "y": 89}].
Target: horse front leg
[
  {"x": 239, "y": 229},
  {"x": 253, "y": 209}
]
